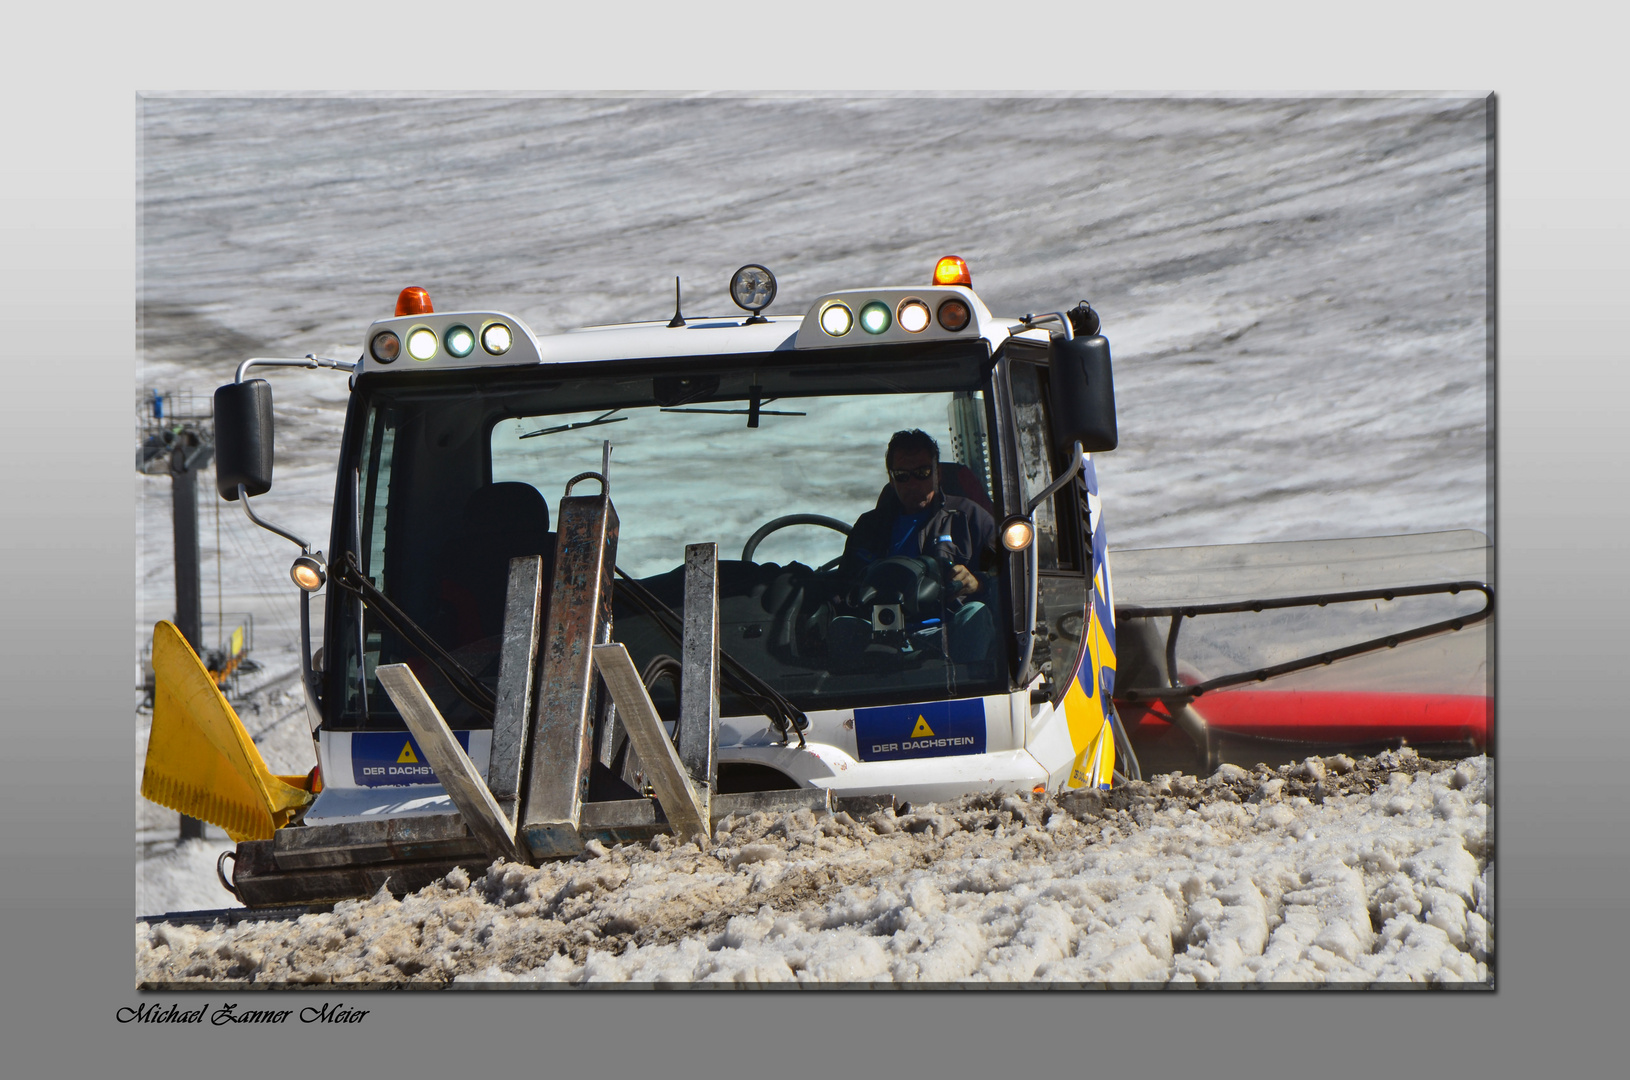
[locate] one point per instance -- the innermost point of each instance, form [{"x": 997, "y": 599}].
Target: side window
[
  {"x": 1062, "y": 592},
  {"x": 359, "y": 649},
  {"x": 380, "y": 441},
  {"x": 1056, "y": 547}
]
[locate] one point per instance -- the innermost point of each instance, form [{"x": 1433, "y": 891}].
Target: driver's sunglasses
[{"x": 900, "y": 476}]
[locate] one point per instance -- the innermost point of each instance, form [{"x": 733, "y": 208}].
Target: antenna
[{"x": 678, "y": 319}]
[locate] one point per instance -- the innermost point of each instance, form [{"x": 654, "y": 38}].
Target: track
[{"x": 234, "y": 916}]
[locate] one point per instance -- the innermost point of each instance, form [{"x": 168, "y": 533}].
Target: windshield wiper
[
  {"x": 730, "y": 412},
  {"x": 753, "y": 410},
  {"x": 786, "y": 717},
  {"x": 348, "y": 576},
  {"x": 603, "y": 418}
]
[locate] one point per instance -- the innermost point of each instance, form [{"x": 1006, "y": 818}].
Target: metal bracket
[
  {"x": 1030, "y": 321},
  {"x": 452, "y": 765},
  {"x": 310, "y": 361},
  {"x": 1077, "y": 456},
  {"x": 699, "y": 684},
  {"x": 561, "y": 744},
  {"x": 517, "y": 679},
  {"x": 685, "y": 806},
  {"x": 243, "y": 497}
]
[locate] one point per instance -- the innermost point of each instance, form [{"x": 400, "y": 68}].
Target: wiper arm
[
  {"x": 603, "y": 418},
  {"x": 348, "y": 576},
  {"x": 783, "y": 714},
  {"x": 737, "y": 412},
  {"x": 754, "y": 408}
]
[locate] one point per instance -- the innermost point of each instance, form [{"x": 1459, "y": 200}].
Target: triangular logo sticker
[
  {"x": 922, "y": 730},
  {"x": 406, "y": 757}
]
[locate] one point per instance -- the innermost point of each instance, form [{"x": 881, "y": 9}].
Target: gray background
[{"x": 1565, "y": 222}]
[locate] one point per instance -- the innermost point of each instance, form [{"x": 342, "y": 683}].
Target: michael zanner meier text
[{"x": 154, "y": 1013}]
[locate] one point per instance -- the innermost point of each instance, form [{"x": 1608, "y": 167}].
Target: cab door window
[
  {"x": 1057, "y": 534},
  {"x": 1062, "y": 589}
]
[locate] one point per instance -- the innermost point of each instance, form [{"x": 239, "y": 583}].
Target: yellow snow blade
[{"x": 200, "y": 760}]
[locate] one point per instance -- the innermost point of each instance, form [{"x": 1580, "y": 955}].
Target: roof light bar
[
  {"x": 952, "y": 270},
  {"x": 496, "y": 338},
  {"x": 386, "y": 347},
  {"x": 413, "y": 301},
  {"x": 421, "y": 343},
  {"x": 875, "y": 317},
  {"x": 913, "y": 316},
  {"x": 836, "y": 319},
  {"x": 459, "y": 340}
]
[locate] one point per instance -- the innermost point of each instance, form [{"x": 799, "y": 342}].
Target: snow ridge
[{"x": 1367, "y": 872}]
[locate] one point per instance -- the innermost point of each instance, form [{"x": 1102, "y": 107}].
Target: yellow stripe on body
[{"x": 1090, "y": 737}]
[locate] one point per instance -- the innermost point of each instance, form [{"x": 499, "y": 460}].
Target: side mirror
[
  {"x": 1083, "y": 391},
  {"x": 243, "y": 438}
]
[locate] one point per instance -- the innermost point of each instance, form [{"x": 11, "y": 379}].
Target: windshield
[{"x": 453, "y": 480}]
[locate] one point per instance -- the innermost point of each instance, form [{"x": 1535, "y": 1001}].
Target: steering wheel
[{"x": 787, "y": 520}]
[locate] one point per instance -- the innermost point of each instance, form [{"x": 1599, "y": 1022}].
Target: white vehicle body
[{"x": 1047, "y": 727}]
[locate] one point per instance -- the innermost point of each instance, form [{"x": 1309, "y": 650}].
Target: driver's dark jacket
[{"x": 970, "y": 526}]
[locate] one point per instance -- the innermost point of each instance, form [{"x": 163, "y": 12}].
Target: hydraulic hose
[
  {"x": 349, "y": 577},
  {"x": 786, "y": 717}
]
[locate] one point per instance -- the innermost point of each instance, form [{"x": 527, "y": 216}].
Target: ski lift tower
[{"x": 178, "y": 439}]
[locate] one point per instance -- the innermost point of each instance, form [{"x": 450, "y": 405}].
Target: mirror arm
[
  {"x": 243, "y": 497},
  {"x": 308, "y": 681},
  {"x": 1069, "y": 474},
  {"x": 1031, "y": 320},
  {"x": 310, "y": 361}
]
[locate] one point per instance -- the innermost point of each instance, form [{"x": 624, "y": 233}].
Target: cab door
[
  {"x": 1073, "y": 645},
  {"x": 1062, "y": 577}
]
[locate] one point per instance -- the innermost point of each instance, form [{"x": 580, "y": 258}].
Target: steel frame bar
[
  {"x": 517, "y": 679},
  {"x": 457, "y": 773},
  {"x": 684, "y": 805},
  {"x": 561, "y": 747},
  {"x": 699, "y": 684}
]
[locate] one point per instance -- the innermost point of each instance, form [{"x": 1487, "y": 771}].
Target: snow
[{"x": 1373, "y": 872}]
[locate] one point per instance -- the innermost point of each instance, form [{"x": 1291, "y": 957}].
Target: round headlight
[
  {"x": 753, "y": 288},
  {"x": 460, "y": 341},
  {"x": 837, "y": 319},
  {"x": 1017, "y": 532},
  {"x": 422, "y": 343},
  {"x": 913, "y": 316},
  {"x": 307, "y": 573},
  {"x": 386, "y": 347},
  {"x": 875, "y": 317},
  {"x": 497, "y": 339},
  {"x": 955, "y": 314}
]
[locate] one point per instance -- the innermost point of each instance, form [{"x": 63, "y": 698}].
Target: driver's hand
[{"x": 966, "y": 582}]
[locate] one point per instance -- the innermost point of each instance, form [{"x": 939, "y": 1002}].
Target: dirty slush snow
[{"x": 1375, "y": 871}]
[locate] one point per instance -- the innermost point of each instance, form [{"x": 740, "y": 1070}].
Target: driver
[{"x": 914, "y": 517}]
